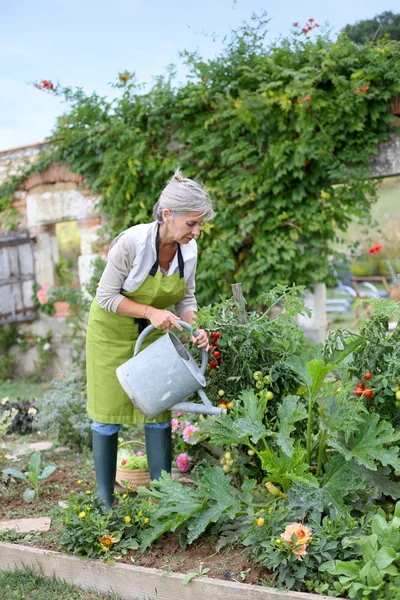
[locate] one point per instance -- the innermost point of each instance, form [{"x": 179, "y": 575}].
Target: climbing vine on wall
[{"x": 272, "y": 129}]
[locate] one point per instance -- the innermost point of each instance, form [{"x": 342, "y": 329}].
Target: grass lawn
[
  {"x": 21, "y": 389},
  {"x": 28, "y": 585}
]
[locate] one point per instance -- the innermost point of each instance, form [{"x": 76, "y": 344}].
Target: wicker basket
[{"x": 132, "y": 478}]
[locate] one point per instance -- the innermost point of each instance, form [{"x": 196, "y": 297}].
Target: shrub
[{"x": 62, "y": 410}]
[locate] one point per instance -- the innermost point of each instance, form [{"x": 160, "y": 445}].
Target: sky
[{"x": 85, "y": 43}]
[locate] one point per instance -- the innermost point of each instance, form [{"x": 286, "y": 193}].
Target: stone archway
[{"x": 53, "y": 196}]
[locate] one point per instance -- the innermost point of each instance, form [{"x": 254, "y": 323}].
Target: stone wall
[{"x": 52, "y": 196}]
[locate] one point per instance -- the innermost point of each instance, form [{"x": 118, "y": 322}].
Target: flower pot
[{"x": 62, "y": 309}]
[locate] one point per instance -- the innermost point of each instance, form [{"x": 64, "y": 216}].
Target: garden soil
[{"x": 166, "y": 553}]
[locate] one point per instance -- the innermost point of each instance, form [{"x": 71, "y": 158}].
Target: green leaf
[
  {"x": 350, "y": 569},
  {"x": 33, "y": 478},
  {"x": 29, "y": 495},
  {"x": 286, "y": 470},
  {"x": 220, "y": 499},
  {"x": 15, "y": 473},
  {"x": 189, "y": 576},
  {"x": 369, "y": 444},
  {"x": 243, "y": 423},
  {"x": 176, "y": 505},
  {"x": 340, "y": 479},
  {"x": 378, "y": 483},
  {"x": 290, "y": 411},
  {"x": 385, "y": 557},
  {"x": 47, "y": 471},
  {"x": 34, "y": 462},
  {"x": 387, "y": 533}
]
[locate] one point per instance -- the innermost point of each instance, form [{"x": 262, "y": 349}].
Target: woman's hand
[
  {"x": 162, "y": 319},
  {"x": 201, "y": 340}
]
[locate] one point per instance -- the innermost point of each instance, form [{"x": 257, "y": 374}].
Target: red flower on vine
[
  {"x": 306, "y": 98},
  {"x": 44, "y": 85},
  {"x": 124, "y": 77},
  {"x": 376, "y": 248}
]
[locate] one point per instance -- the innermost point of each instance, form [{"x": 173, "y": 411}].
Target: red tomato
[
  {"x": 368, "y": 393},
  {"x": 216, "y": 354},
  {"x": 124, "y": 461},
  {"x": 211, "y": 346},
  {"x": 367, "y": 375},
  {"x": 358, "y": 392},
  {"x": 213, "y": 364},
  {"x": 361, "y": 386},
  {"x": 216, "y": 335}
]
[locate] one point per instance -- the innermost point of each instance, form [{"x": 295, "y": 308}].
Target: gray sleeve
[
  {"x": 188, "y": 302},
  {"x": 119, "y": 263}
]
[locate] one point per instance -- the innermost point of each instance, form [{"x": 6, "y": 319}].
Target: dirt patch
[{"x": 167, "y": 554}]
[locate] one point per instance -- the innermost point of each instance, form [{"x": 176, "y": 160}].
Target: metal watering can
[{"x": 163, "y": 374}]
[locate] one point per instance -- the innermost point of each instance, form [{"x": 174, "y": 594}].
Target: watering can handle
[{"x": 204, "y": 354}]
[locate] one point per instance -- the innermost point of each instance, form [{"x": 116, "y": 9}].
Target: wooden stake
[{"x": 237, "y": 294}]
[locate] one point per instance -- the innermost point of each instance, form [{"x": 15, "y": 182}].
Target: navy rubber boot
[
  {"x": 158, "y": 448},
  {"x": 105, "y": 449}
]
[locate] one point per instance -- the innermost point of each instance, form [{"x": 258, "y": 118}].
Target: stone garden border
[{"x": 136, "y": 583}]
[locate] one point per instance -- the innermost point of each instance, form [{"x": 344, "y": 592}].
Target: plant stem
[
  {"x": 309, "y": 423},
  {"x": 321, "y": 451}
]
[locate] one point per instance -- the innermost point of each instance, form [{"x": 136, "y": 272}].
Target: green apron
[{"x": 111, "y": 341}]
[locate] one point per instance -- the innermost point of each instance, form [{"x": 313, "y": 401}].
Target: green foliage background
[{"x": 271, "y": 129}]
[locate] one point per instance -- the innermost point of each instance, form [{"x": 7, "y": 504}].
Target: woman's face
[{"x": 183, "y": 228}]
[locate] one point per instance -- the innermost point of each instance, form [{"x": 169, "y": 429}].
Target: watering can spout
[{"x": 176, "y": 378}]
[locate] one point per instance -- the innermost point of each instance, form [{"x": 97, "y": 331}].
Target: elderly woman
[{"x": 150, "y": 268}]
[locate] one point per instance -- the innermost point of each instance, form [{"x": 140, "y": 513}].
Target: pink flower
[
  {"x": 139, "y": 453},
  {"x": 188, "y": 431},
  {"x": 303, "y": 538},
  {"x": 178, "y": 413},
  {"x": 41, "y": 294},
  {"x": 184, "y": 462}
]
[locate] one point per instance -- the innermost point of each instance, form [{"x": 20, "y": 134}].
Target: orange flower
[
  {"x": 303, "y": 538},
  {"x": 107, "y": 541}
]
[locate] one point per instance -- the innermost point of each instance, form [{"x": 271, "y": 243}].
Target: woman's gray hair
[{"x": 182, "y": 196}]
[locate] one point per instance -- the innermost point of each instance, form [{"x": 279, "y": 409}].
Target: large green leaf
[
  {"x": 15, "y": 473},
  {"x": 340, "y": 478},
  {"x": 220, "y": 500},
  {"x": 28, "y": 495},
  {"x": 176, "y": 505},
  {"x": 34, "y": 462},
  {"x": 243, "y": 423},
  {"x": 285, "y": 470},
  {"x": 387, "y": 533},
  {"x": 290, "y": 411},
  {"x": 47, "y": 471},
  {"x": 378, "y": 483},
  {"x": 369, "y": 445}
]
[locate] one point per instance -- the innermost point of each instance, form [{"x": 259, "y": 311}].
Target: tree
[
  {"x": 272, "y": 129},
  {"x": 374, "y": 29}
]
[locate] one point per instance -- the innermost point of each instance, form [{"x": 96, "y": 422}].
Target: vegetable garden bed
[
  {"x": 294, "y": 487},
  {"x": 135, "y": 583}
]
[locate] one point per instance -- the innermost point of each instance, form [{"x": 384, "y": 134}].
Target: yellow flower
[
  {"x": 88, "y": 492},
  {"x": 303, "y": 538},
  {"x": 32, "y": 410},
  {"x": 127, "y": 519},
  {"x": 124, "y": 496},
  {"x": 79, "y": 481},
  {"x": 82, "y": 515},
  {"x": 5, "y": 401},
  {"x": 260, "y": 522},
  {"x": 146, "y": 520},
  {"x": 107, "y": 541}
]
